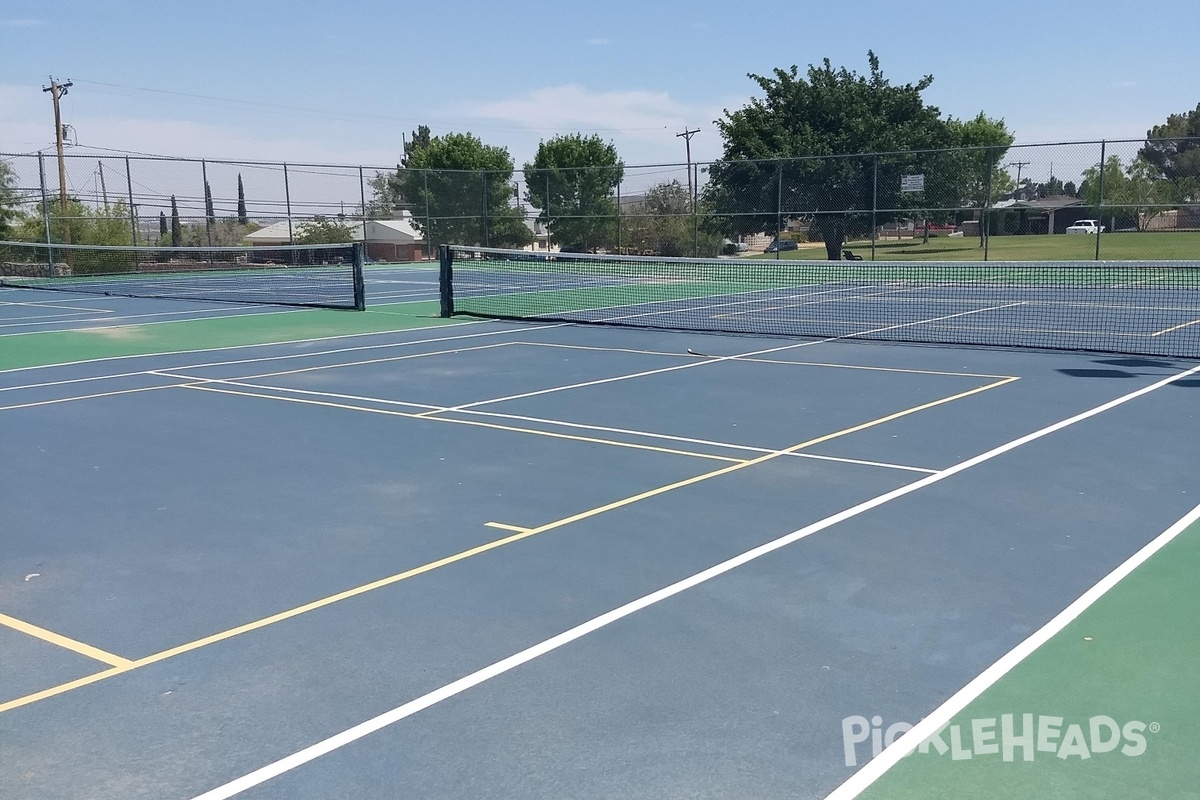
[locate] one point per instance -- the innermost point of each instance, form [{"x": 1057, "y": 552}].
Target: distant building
[{"x": 385, "y": 239}]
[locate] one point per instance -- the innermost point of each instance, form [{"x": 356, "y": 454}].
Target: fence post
[
  {"x": 619, "y": 179},
  {"x": 695, "y": 181},
  {"x": 46, "y": 217},
  {"x": 486, "y": 238},
  {"x": 287, "y": 198},
  {"x": 132, "y": 212},
  {"x": 778, "y": 207},
  {"x": 362, "y": 196},
  {"x": 208, "y": 221},
  {"x": 1100, "y": 200},
  {"x": 874, "y": 202},
  {"x": 428, "y": 218},
  {"x": 547, "y": 212},
  {"x": 985, "y": 223}
]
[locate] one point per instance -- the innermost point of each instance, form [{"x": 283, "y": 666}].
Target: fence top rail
[
  {"x": 180, "y": 250},
  {"x": 775, "y": 159}
]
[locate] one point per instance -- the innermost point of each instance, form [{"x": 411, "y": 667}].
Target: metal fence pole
[
  {"x": 46, "y": 217},
  {"x": 486, "y": 238},
  {"x": 208, "y": 222},
  {"x": 132, "y": 211},
  {"x": 695, "y": 181},
  {"x": 778, "y": 207},
  {"x": 428, "y": 219},
  {"x": 874, "y": 203},
  {"x": 1100, "y": 200},
  {"x": 362, "y": 198},
  {"x": 362, "y": 217},
  {"x": 619, "y": 213},
  {"x": 547, "y": 212},
  {"x": 287, "y": 199},
  {"x": 985, "y": 223}
]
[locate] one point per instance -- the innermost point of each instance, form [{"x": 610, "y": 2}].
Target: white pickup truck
[{"x": 1086, "y": 226}]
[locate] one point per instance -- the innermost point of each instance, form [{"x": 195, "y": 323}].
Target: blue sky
[{"x": 341, "y": 82}]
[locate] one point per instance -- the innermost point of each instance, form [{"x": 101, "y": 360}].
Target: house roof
[
  {"x": 1052, "y": 203},
  {"x": 377, "y": 230}
]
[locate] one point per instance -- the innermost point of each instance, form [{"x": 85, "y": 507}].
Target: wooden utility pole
[
  {"x": 58, "y": 90},
  {"x": 103, "y": 188},
  {"x": 687, "y": 137},
  {"x": 1019, "y": 165}
]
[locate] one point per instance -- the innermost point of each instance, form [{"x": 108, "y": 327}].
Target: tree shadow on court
[
  {"x": 1098, "y": 373},
  {"x": 1136, "y": 363}
]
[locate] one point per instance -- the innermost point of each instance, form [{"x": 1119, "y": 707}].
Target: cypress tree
[
  {"x": 242, "y": 218},
  {"x": 209, "y": 213},
  {"x": 176, "y": 227},
  {"x": 162, "y": 224}
]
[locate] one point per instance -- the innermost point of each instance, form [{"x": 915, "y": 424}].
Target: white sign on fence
[{"x": 912, "y": 183}]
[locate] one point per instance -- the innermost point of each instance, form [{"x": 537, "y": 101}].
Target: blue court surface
[{"x": 537, "y": 560}]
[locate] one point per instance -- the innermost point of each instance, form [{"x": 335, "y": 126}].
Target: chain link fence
[{"x": 1113, "y": 200}]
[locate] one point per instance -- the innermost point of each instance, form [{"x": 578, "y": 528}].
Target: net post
[
  {"x": 446, "y": 279},
  {"x": 360, "y": 288}
]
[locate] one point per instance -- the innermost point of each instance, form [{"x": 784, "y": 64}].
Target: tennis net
[
  {"x": 321, "y": 276},
  {"x": 1136, "y": 307}
]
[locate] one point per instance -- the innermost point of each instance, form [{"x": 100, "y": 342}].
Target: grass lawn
[{"x": 1060, "y": 247}]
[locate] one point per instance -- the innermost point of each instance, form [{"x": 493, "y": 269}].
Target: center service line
[{"x": 312, "y": 752}]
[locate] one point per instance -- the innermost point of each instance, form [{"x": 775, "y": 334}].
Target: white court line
[
  {"x": 1176, "y": 327},
  {"x": 119, "y": 321},
  {"x": 340, "y": 365},
  {"x": 265, "y": 344},
  {"x": 35, "y": 319},
  {"x": 785, "y": 362},
  {"x": 716, "y": 360},
  {"x": 874, "y": 769},
  {"x": 910, "y": 739},
  {"x": 690, "y": 440},
  {"x": 235, "y": 362},
  {"x": 61, "y": 306},
  {"x": 243, "y": 383}
]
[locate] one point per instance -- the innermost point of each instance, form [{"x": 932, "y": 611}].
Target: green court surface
[
  {"x": 60, "y": 347},
  {"x": 1130, "y": 657},
  {"x": 1122, "y": 246}
]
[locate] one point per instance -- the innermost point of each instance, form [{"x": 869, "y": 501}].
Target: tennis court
[{"x": 260, "y": 552}]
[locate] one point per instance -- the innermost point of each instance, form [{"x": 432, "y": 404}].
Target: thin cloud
[
  {"x": 642, "y": 123},
  {"x": 556, "y": 109}
]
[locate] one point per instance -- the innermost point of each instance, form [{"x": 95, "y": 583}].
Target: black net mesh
[
  {"x": 1150, "y": 308},
  {"x": 322, "y": 276}
]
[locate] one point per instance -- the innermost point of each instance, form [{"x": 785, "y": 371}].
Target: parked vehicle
[
  {"x": 781, "y": 245},
  {"x": 1086, "y": 226}
]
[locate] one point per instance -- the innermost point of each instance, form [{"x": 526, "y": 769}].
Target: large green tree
[
  {"x": 1135, "y": 192},
  {"x": 10, "y": 207},
  {"x": 800, "y": 150},
  {"x": 322, "y": 230},
  {"x": 572, "y": 181},
  {"x": 83, "y": 223},
  {"x": 1173, "y": 148},
  {"x": 458, "y": 190},
  {"x": 663, "y": 224}
]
